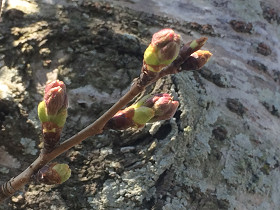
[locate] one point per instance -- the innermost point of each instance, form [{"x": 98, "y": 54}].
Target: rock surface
[{"x": 221, "y": 149}]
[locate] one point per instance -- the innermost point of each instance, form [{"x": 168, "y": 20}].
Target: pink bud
[
  {"x": 147, "y": 109},
  {"x": 163, "y": 50},
  {"x": 165, "y": 110},
  {"x": 149, "y": 102},
  {"x": 168, "y": 42},
  {"x": 164, "y": 37},
  {"x": 163, "y": 105},
  {"x": 55, "y": 97}
]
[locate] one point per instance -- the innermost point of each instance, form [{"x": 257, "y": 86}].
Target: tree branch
[{"x": 145, "y": 79}]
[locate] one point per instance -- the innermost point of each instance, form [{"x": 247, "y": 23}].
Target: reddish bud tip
[
  {"x": 163, "y": 105},
  {"x": 55, "y": 97},
  {"x": 163, "y": 50},
  {"x": 164, "y": 37},
  {"x": 147, "y": 109}
]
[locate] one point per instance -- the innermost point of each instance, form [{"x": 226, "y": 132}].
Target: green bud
[
  {"x": 55, "y": 97},
  {"x": 150, "y": 56},
  {"x": 43, "y": 117},
  {"x": 163, "y": 105},
  {"x": 54, "y": 107},
  {"x": 54, "y": 173},
  {"x": 163, "y": 50},
  {"x": 63, "y": 171},
  {"x": 60, "y": 118},
  {"x": 197, "y": 44},
  {"x": 52, "y": 113},
  {"x": 142, "y": 115},
  {"x": 193, "y": 44}
]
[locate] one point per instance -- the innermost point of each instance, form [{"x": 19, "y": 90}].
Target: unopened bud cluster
[
  {"x": 163, "y": 49},
  {"x": 148, "y": 109},
  {"x": 52, "y": 112}
]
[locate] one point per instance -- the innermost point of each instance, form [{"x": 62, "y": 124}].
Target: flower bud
[
  {"x": 163, "y": 106},
  {"x": 147, "y": 109},
  {"x": 53, "y": 173},
  {"x": 198, "y": 43},
  {"x": 55, "y": 97},
  {"x": 52, "y": 113},
  {"x": 164, "y": 109},
  {"x": 130, "y": 117},
  {"x": 197, "y": 60},
  {"x": 163, "y": 50}
]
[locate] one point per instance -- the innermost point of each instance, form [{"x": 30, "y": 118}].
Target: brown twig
[{"x": 145, "y": 79}]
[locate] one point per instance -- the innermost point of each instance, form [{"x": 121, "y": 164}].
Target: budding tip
[
  {"x": 193, "y": 44},
  {"x": 163, "y": 50},
  {"x": 201, "y": 41},
  {"x": 53, "y": 173},
  {"x": 201, "y": 58},
  {"x": 55, "y": 97},
  {"x": 175, "y": 104},
  {"x": 198, "y": 43},
  {"x": 208, "y": 55}
]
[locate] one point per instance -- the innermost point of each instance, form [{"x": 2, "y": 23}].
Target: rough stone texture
[{"x": 221, "y": 149}]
